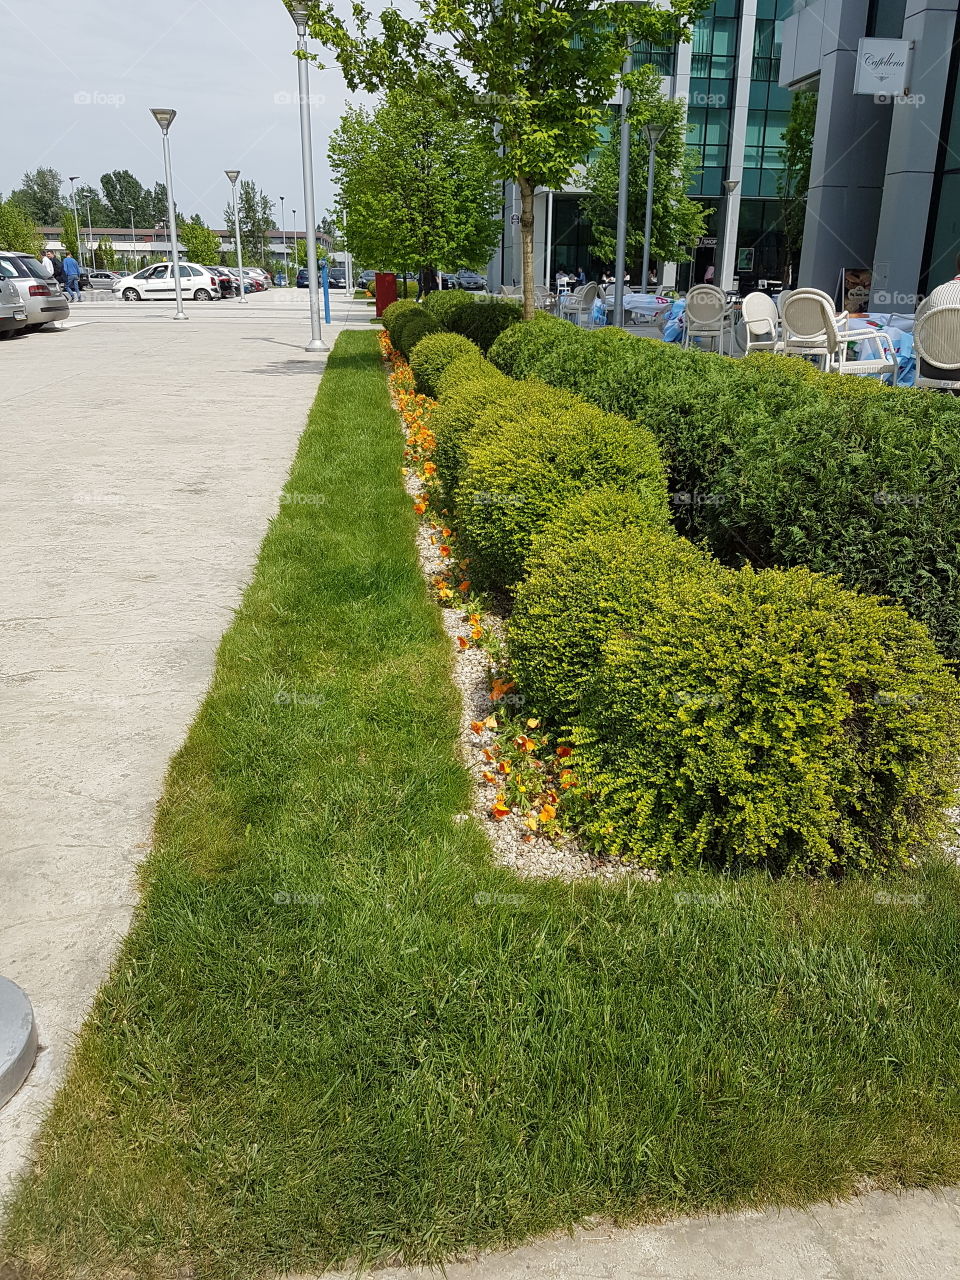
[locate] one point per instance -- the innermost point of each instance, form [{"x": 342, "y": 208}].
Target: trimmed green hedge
[
  {"x": 434, "y": 353},
  {"x": 392, "y": 316},
  {"x": 528, "y": 455},
  {"x": 479, "y": 388},
  {"x": 411, "y": 327},
  {"x": 443, "y": 302},
  {"x": 774, "y": 462},
  {"x": 734, "y": 718},
  {"x": 483, "y": 322}
]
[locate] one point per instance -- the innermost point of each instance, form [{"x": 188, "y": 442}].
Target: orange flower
[
  {"x": 464, "y": 586},
  {"x": 447, "y": 533},
  {"x": 548, "y": 813},
  {"x": 429, "y": 468},
  {"x": 476, "y": 633},
  {"x": 474, "y": 619},
  {"x": 532, "y": 724},
  {"x": 491, "y": 722},
  {"x": 568, "y": 779},
  {"x": 487, "y": 754},
  {"x": 477, "y": 726},
  {"x": 500, "y": 689},
  {"x": 500, "y": 808},
  {"x": 463, "y": 642},
  {"x": 488, "y": 776},
  {"x": 503, "y": 766},
  {"x": 530, "y": 821},
  {"x": 420, "y": 505},
  {"x": 524, "y": 743},
  {"x": 444, "y": 551},
  {"x": 563, "y": 752}
]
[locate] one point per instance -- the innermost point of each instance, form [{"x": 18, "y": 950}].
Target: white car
[{"x": 158, "y": 282}]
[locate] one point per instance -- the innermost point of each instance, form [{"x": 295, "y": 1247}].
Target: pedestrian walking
[
  {"x": 46, "y": 262},
  {"x": 427, "y": 282},
  {"x": 71, "y": 271}
]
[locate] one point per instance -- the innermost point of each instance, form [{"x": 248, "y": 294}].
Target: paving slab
[{"x": 142, "y": 460}]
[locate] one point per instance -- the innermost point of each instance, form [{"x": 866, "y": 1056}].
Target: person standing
[
  {"x": 47, "y": 263},
  {"x": 71, "y": 270},
  {"x": 427, "y": 282}
]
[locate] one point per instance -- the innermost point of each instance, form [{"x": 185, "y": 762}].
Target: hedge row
[
  {"x": 719, "y": 716},
  {"x": 773, "y": 462}
]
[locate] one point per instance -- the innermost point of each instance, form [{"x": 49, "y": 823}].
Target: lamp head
[
  {"x": 164, "y": 116},
  {"x": 654, "y": 132},
  {"x": 730, "y": 185},
  {"x": 233, "y": 175},
  {"x": 299, "y": 12}
]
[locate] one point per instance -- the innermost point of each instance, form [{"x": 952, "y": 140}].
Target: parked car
[
  {"x": 303, "y": 278},
  {"x": 229, "y": 286},
  {"x": 96, "y": 278},
  {"x": 41, "y": 296},
  {"x": 365, "y": 279},
  {"x": 155, "y": 282},
  {"x": 13, "y": 314},
  {"x": 337, "y": 277},
  {"x": 234, "y": 273},
  {"x": 469, "y": 280},
  {"x": 258, "y": 273}
]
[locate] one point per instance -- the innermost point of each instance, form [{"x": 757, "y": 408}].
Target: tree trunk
[{"x": 526, "y": 241}]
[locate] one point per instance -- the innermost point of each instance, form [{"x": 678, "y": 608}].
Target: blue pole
[{"x": 326, "y": 292}]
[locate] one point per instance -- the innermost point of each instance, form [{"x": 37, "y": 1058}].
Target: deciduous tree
[
  {"x": 256, "y": 219},
  {"x": 39, "y": 196},
  {"x": 541, "y": 74},
  {"x": 202, "y": 244},
  {"x": 794, "y": 177}
]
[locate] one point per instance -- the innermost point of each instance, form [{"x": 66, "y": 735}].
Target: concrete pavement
[{"x": 142, "y": 461}]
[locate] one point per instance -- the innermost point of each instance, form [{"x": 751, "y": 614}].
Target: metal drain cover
[{"x": 18, "y": 1039}]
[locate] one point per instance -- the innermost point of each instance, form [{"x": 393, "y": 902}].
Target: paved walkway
[{"x": 142, "y": 460}]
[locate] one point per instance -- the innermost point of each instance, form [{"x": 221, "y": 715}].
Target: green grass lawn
[{"x": 337, "y": 1031}]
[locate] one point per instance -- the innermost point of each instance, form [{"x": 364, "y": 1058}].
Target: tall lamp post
[
  {"x": 165, "y": 117},
  {"x": 620, "y": 266},
  {"x": 76, "y": 216},
  {"x": 296, "y": 260},
  {"x": 654, "y": 133},
  {"x": 299, "y": 13},
  {"x": 133, "y": 243},
  {"x": 90, "y": 248},
  {"x": 233, "y": 175},
  {"x": 283, "y": 228}
]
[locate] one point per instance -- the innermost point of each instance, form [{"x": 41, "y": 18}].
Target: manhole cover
[{"x": 18, "y": 1039}]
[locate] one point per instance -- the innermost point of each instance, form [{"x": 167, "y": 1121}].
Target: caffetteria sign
[{"x": 883, "y": 66}]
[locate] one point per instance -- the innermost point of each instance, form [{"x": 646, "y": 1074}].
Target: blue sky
[{"x": 78, "y": 81}]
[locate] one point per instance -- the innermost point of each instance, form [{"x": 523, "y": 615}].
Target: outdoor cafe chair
[
  {"x": 761, "y": 323},
  {"x": 708, "y": 314},
  {"x": 579, "y": 303},
  {"x": 812, "y": 327},
  {"x": 936, "y": 344}
]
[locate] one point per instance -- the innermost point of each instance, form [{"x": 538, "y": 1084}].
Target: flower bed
[{"x": 725, "y": 717}]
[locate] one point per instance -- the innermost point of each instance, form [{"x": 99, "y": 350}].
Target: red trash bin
[{"x": 386, "y": 290}]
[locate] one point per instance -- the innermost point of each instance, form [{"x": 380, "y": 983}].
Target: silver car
[
  {"x": 13, "y": 314},
  {"x": 42, "y": 298}
]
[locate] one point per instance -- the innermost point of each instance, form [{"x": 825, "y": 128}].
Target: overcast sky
[{"x": 79, "y": 77}]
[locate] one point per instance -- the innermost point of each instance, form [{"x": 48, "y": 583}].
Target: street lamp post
[
  {"x": 730, "y": 185},
  {"x": 299, "y": 13},
  {"x": 233, "y": 175},
  {"x": 654, "y": 133},
  {"x": 76, "y": 216},
  {"x": 133, "y": 243},
  {"x": 296, "y": 259},
  {"x": 93, "y": 252},
  {"x": 620, "y": 266},
  {"x": 165, "y": 117},
  {"x": 283, "y": 228}
]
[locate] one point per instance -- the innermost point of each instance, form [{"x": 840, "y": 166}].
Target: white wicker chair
[
  {"x": 936, "y": 343},
  {"x": 579, "y": 303},
  {"x": 761, "y": 323},
  {"x": 812, "y": 327},
  {"x": 543, "y": 299},
  {"x": 707, "y": 315}
]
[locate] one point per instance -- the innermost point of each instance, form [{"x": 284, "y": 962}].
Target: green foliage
[
  {"x": 434, "y": 354},
  {"x": 71, "y": 241},
  {"x": 773, "y": 462},
  {"x": 468, "y": 387},
  {"x": 256, "y": 219},
  {"x": 541, "y": 75},
  {"x": 678, "y": 222},
  {"x": 595, "y": 567},
  {"x": 483, "y": 322},
  {"x": 106, "y": 255},
  {"x": 126, "y": 197},
  {"x": 465, "y": 366},
  {"x": 201, "y": 244},
  {"x": 529, "y": 455},
  {"x": 18, "y": 230},
  {"x": 779, "y": 721},
  {"x": 413, "y": 326},
  {"x": 39, "y": 196},
  {"x": 391, "y": 316},
  {"x": 417, "y": 183},
  {"x": 442, "y": 302}
]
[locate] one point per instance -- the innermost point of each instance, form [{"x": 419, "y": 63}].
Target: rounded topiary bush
[
  {"x": 483, "y": 322},
  {"x": 413, "y": 326},
  {"x": 520, "y": 348},
  {"x": 467, "y": 365},
  {"x": 432, "y": 355},
  {"x": 593, "y": 569},
  {"x": 773, "y": 720},
  {"x": 392, "y": 316},
  {"x": 442, "y": 302},
  {"x": 526, "y": 458},
  {"x": 462, "y": 402}
]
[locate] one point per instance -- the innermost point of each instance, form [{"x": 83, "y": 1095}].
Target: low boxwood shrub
[
  {"x": 392, "y": 316},
  {"x": 521, "y": 348},
  {"x": 483, "y": 322},
  {"x": 776, "y": 720},
  {"x": 432, "y": 355},
  {"x": 465, "y": 366},
  {"x": 476, "y": 388},
  {"x": 413, "y": 326},
  {"x": 528, "y": 456},
  {"x": 442, "y": 302},
  {"x": 592, "y": 570}
]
